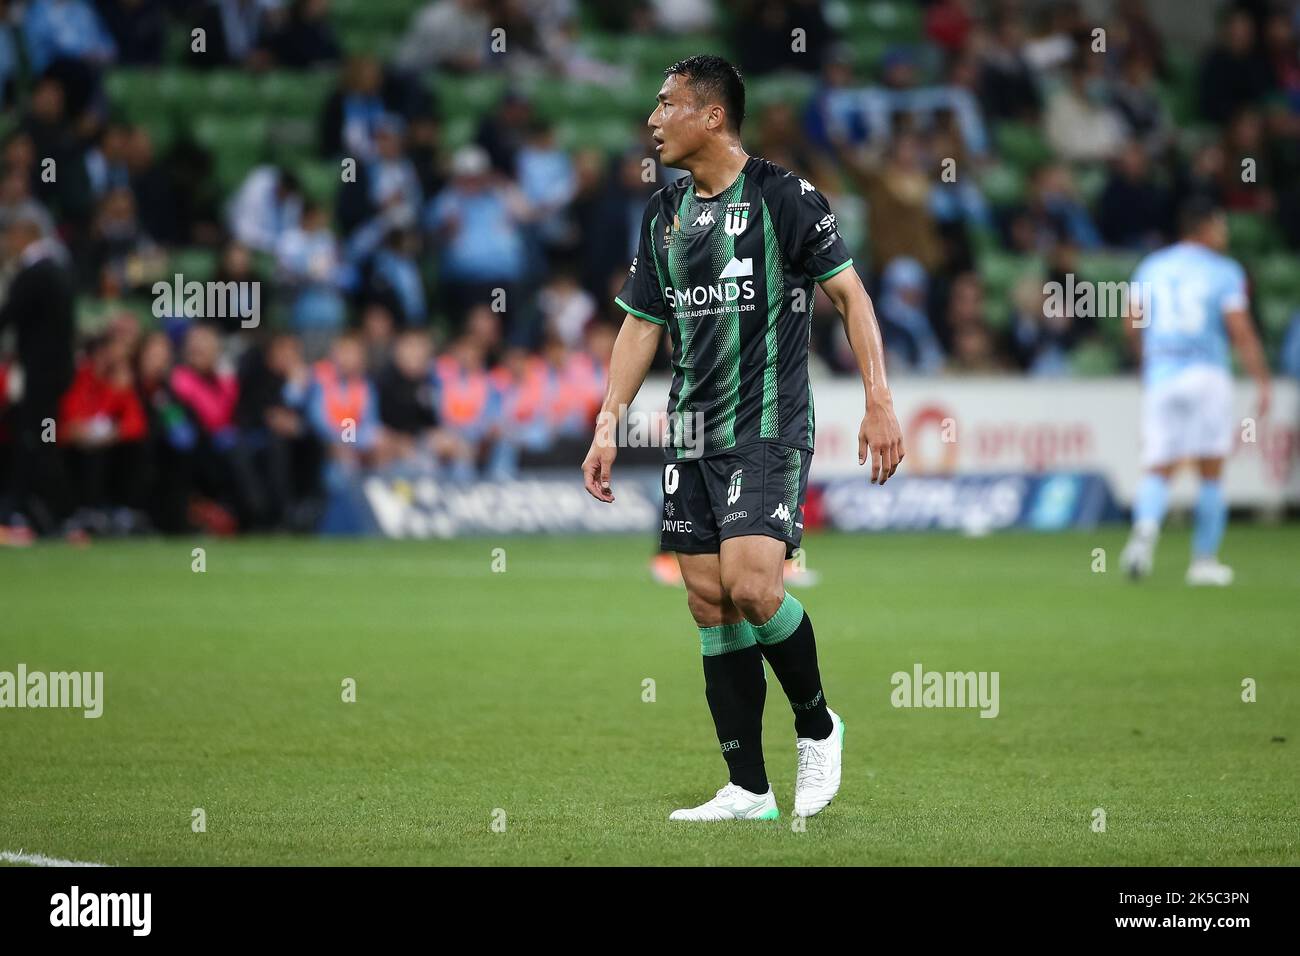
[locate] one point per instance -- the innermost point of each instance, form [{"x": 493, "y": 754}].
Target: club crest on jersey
[
  {"x": 737, "y": 218},
  {"x": 733, "y": 489}
]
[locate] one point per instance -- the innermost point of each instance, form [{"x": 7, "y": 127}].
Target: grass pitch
[{"x": 485, "y": 697}]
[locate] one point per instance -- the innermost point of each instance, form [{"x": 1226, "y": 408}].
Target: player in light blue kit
[{"x": 1190, "y": 301}]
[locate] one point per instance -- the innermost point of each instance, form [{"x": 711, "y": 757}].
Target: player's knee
[
  {"x": 756, "y": 596},
  {"x": 705, "y": 608}
]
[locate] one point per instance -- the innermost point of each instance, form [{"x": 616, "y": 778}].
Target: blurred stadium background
[
  {"x": 454, "y": 299},
  {"x": 436, "y": 216}
]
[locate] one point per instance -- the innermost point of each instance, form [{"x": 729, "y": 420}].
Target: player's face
[{"x": 678, "y": 122}]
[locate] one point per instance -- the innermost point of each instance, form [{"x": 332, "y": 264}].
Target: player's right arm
[{"x": 634, "y": 350}]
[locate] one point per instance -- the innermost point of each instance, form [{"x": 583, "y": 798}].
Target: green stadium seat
[
  {"x": 611, "y": 135},
  {"x": 1094, "y": 360},
  {"x": 1108, "y": 266},
  {"x": 795, "y": 89},
  {"x": 127, "y": 84},
  {"x": 198, "y": 265},
  {"x": 161, "y": 130},
  {"x": 320, "y": 179},
  {"x": 1275, "y": 315},
  {"x": 1021, "y": 145},
  {"x": 379, "y": 41},
  {"x": 468, "y": 95},
  {"x": 352, "y": 16},
  {"x": 1251, "y": 235},
  {"x": 1091, "y": 180},
  {"x": 1000, "y": 271},
  {"x": 895, "y": 21},
  {"x": 232, "y": 134},
  {"x": 1003, "y": 185},
  {"x": 237, "y": 144},
  {"x": 560, "y": 100},
  {"x": 231, "y": 91},
  {"x": 867, "y": 53},
  {"x": 983, "y": 239},
  {"x": 1278, "y": 275},
  {"x": 649, "y": 56},
  {"x": 93, "y": 314},
  {"x": 1179, "y": 94},
  {"x": 298, "y": 95},
  {"x": 179, "y": 86},
  {"x": 458, "y": 131}
]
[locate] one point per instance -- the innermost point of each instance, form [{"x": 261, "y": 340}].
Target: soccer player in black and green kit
[{"x": 727, "y": 263}]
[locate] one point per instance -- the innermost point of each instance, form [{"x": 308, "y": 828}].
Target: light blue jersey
[{"x": 1186, "y": 289}]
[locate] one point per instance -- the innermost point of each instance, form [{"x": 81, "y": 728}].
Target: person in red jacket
[{"x": 102, "y": 427}]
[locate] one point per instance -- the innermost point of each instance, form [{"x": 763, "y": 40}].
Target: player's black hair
[
  {"x": 1195, "y": 211},
  {"x": 712, "y": 77}
]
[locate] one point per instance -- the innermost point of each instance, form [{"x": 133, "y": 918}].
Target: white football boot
[
  {"x": 1139, "y": 554},
  {"x": 820, "y": 762},
  {"x": 733, "y": 803},
  {"x": 1208, "y": 572}
]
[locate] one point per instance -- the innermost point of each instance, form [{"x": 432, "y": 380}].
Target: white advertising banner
[{"x": 970, "y": 426}]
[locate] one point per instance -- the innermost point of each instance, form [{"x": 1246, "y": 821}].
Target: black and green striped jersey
[{"x": 732, "y": 276}]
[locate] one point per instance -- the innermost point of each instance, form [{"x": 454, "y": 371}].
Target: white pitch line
[{"x": 36, "y": 859}]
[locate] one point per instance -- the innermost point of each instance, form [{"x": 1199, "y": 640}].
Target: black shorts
[{"x": 756, "y": 489}]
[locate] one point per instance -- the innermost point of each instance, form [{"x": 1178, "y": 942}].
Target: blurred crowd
[
  {"x": 451, "y": 308},
  {"x": 182, "y": 428}
]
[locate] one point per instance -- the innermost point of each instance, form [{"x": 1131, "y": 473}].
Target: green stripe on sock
[
  {"x": 725, "y": 638},
  {"x": 782, "y": 624}
]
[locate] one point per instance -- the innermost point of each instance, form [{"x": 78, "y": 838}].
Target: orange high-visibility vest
[
  {"x": 524, "y": 397},
  {"x": 343, "y": 400},
  {"x": 463, "y": 395},
  {"x": 578, "y": 387}
]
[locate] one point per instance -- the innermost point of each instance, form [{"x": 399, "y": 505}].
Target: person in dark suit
[{"x": 39, "y": 306}]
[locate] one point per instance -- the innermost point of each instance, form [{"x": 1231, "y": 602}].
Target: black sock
[
  {"x": 736, "y": 689},
  {"x": 794, "y": 662}
]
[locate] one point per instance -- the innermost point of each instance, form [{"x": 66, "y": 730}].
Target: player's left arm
[
  {"x": 1234, "y": 304},
  {"x": 1246, "y": 342},
  {"x": 879, "y": 430}
]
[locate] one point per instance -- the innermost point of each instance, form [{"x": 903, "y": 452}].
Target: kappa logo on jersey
[
  {"x": 737, "y": 218},
  {"x": 705, "y": 218},
  {"x": 782, "y": 513},
  {"x": 806, "y": 187},
  {"x": 733, "y": 489},
  {"x": 738, "y": 269}
]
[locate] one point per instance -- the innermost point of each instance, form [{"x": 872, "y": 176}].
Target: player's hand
[
  {"x": 880, "y": 437},
  {"x": 597, "y": 468}
]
